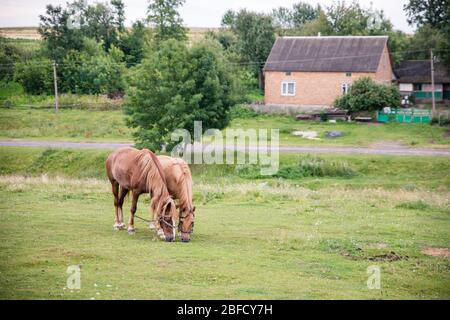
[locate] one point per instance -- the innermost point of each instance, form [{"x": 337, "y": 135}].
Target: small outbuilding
[{"x": 414, "y": 79}]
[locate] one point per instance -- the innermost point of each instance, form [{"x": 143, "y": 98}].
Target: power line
[{"x": 62, "y": 64}]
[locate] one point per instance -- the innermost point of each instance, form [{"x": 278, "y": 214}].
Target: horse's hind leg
[
  {"x": 122, "y": 194},
  {"x": 134, "y": 202},
  {"x": 115, "y": 191}
]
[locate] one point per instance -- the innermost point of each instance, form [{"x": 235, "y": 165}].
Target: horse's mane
[
  {"x": 153, "y": 175},
  {"x": 185, "y": 182}
]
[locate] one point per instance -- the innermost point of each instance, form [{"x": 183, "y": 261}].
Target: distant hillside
[{"x": 30, "y": 33}]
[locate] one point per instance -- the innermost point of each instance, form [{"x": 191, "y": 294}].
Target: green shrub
[
  {"x": 36, "y": 76},
  {"x": 444, "y": 122},
  {"x": 323, "y": 117},
  {"x": 307, "y": 166},
  {"x": 9, "y": 55},
  {"x": 9, "y": 89},
  {"x": 314, "y": 166},
  {"x": 414, "y": 205},
  {"x": 93, "y": 71},
  {"x": 366, "y": 95},
  {"x": 240, "y": 112}
]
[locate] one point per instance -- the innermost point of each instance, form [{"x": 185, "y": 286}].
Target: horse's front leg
[
  {"x": 122, "y": 194},
  {"x": 135, "y": 199},
  {"x": 115, "y": 191}
]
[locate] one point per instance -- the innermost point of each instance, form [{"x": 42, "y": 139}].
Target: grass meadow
[{"x": 309, "y": 233}]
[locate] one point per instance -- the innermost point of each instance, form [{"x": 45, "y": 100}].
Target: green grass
[
  {"x": 66, "y": 125},
  {"x": 271, "y": 238},
  {"x": 355, "y": 134}
]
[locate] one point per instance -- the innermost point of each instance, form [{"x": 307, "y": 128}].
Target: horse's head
[
  {"x": 186, "y": 225},
  {"x": 166, "y": 219}
]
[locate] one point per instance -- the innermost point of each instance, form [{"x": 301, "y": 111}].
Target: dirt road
[{"x": 398, "y": 151}]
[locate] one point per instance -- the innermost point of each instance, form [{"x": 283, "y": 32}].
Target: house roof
[
  {"x": 326, "y": 54},
  {"x": 419, "y": 71}
]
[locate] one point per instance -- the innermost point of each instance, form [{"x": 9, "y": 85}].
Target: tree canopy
[
  {"x": 176, "y": 85},
  {"x": 163, "y": 15},
  {"x": 435, "y": 13}
]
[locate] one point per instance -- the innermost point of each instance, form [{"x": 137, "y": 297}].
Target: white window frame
[
  {"x": 287, "y": 83},
  {"x": 345, "y": 88}
]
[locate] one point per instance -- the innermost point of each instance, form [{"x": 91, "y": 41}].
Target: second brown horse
[
  {"x": 179, "y": 183},
  {"x": 140, "y": 171}
]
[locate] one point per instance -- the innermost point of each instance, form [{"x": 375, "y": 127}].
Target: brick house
[
  {"x": 414, "y": 79},
  {"x": 311, "y": 72}
]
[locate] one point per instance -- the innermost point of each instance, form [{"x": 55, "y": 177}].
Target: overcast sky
[{"x": 195, "y": 13}]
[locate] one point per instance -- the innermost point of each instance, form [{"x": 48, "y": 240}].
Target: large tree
[
  {"x": 301, "y": 13},
  {"x": 104, "y": 22},
  {"x": 435, "y": 13},
  {"x": 348, "y": 19},
  {"x": 175, "y": 86},
  {"x": 58, "y": 31},
  {"x": 163, "y": 15},
  {"x": 255, "y": 37},
  {"x": 432, "y": 17},
  {"x": 134, "y": 42},
  {"x": 63, "y": 28}
]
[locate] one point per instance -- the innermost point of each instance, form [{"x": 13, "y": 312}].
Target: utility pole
[
  {"x": 56, "y": 86},
  {"x": 432, "y": 81}
]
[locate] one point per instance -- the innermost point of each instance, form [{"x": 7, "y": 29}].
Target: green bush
[
  {"x": 307, "y": 166},
  {"x": 93, "y": 71},
  {"x": 9, "y": 55},
  {"x": 366, "y": 95},
  {"x": 314, "y": 166},
  {"x": 35, "y": 76},
  {"x": 440, "y": 121},
  {"x": 240, "y": 112}
]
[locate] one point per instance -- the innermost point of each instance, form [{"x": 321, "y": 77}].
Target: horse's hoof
[
  {"x": 116, "y": 227},
  {"x": 131, "y": 231}
]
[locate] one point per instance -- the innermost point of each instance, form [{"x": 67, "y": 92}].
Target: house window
[
  {"x": 288, "y": 88},
  {"x": 345, "y": 88},
  {"x": 417, "y": 87},
  {"x": 288, "y": 73},
  {"x": 348, "y": 74}
]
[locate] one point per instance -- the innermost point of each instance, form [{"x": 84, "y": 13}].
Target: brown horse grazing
[
  {"x": 140, "y": 171},
  {"x": 179, "y": 183}
]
